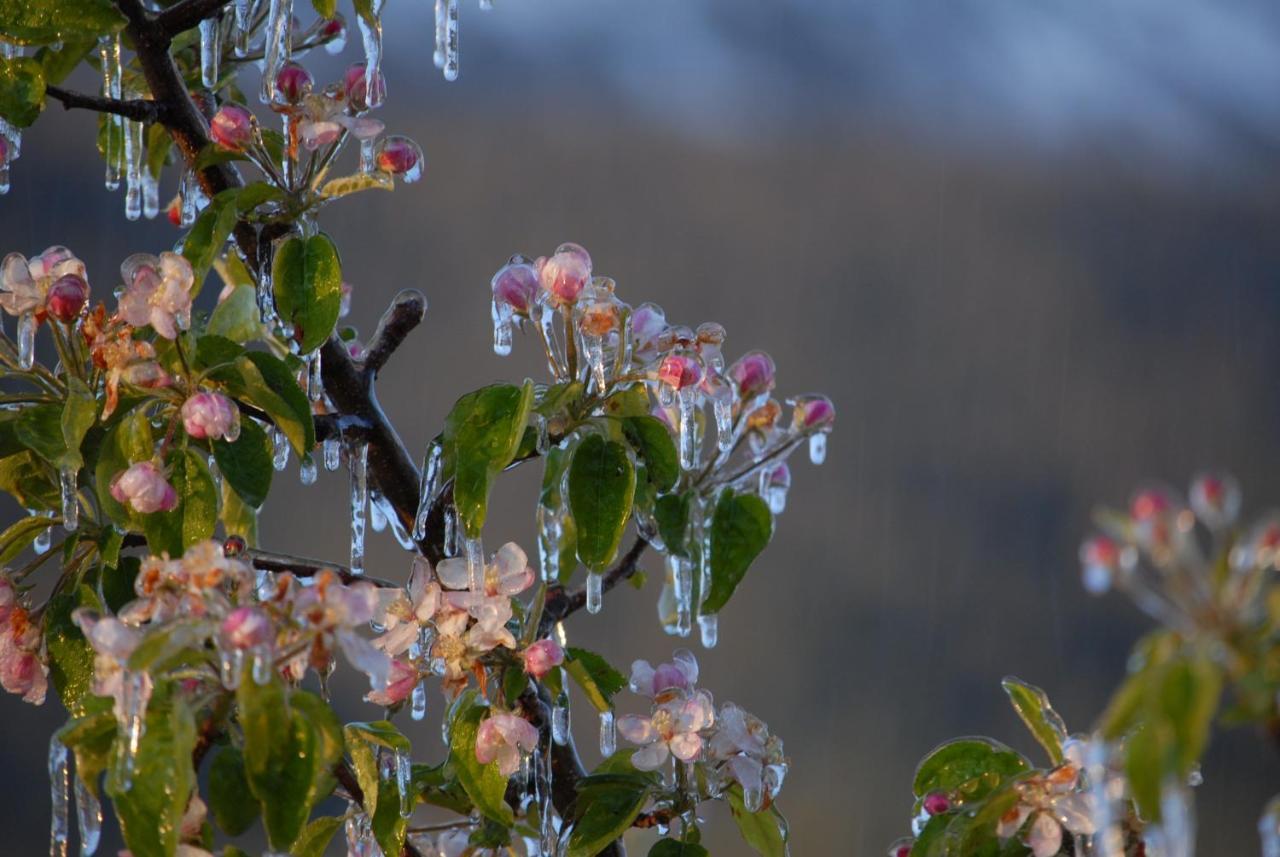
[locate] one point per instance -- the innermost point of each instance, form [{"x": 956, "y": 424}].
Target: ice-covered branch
[
  {"x": 407, "y": 310},
  {"x": 187, "y": 14},
  {"x": 562, "y": 602},
  {"x": 137, "y": 109}
]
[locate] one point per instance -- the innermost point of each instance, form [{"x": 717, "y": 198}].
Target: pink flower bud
[
  {"x": 566, "y": 273},
  {"x": 901, "y": 847},
  {"x": 293, "y": 83},
  {"x": 812, "y": 411},
  {"x": 679, "y": 371},
  {"x": 335, "y": 27},
  {"x": 1150, "y": 503},
  {"x": 504, "y": 738},
  {"x": 246, "y": 627},
  {"x": 143, "y": 488},
  {"x": 753, "y": 374},
  {"x": 231, "y": 128},
  {"x": 67, "y": 297},
  {"x": 542, "y": 657},
  {"x": 400, "y": 683},
  {"x": 936, "y": 803},
  {"x": 1215, "y": 498},
  {"x": 400, "y": 156},
  {"x": 516, "y": 284},
  {"x": 357, "y": 88},
  {"x": 211, "y": 415}
]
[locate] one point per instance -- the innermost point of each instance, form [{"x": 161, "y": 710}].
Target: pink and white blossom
[
  {"x": 680, "y": 675},
  {"x": 400, "y": 683},
  {"x": 157, "y": 291},
  {"x": 25, "y": 284},
  {"x": 674, "y": 729},
  {"x": 143, "y": 488},
  {"x": 505, "y": 738},
  {"x": 211, "y": 415},
  {"x": 542, "y": 657}
]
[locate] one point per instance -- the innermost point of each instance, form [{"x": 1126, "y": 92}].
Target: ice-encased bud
[
  {"x": 401, "y": 157},
  {"x": 678, "y": 371},
  {"x": 293, "y": 83},
  {"x": 356, "y": 87},
  {"x": 542, "y": 656},
  {"x": 564, "y": 274},
  {"x": 208, "y": 415},
  {"x": 334, "y": 34},
  {"x": 812, "y": 411},
  {"x": 143, "y": 488},
  {"x": 67, "y": 297},
  {"x": 753, "y": 374},
  {"x": 648, "y": 323},
  {"x": 516, "y": 284},
  {"x": 232, "y": 127},
  {"x": 1099, "y": 564}
]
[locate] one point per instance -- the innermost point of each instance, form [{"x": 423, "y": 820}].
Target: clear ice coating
[
  {"x": 723, "y": 409},
  {"x": 109, "y": 58},
  {"x": 560, "y": 718},
  {"x": 503, "y": 314},
  {"x": 550, "y": 535},
  {"x": 441, "y": 35},
  {"x": 315, "y": 377},
  {"x": 230, "y": 667},
  {"x": 608, "y": 734},
  {"x": 60, "y": 823},
  {"x": 308, "y": 471},
  {"x": 595, "y": 592},
  {"x": 262, "y": 664},
  {"x": 150, "y": 195},
  {"x": 42, "y": 541},
  {"x": 404, "y": 783},
  {"x": 332, "y": 453},
  {"x": 358, "y": 461},
  {"x": 88, "y": 818},
  {"x": 450, "y": 530},
  {"x": 430, "y": 486},
  {"x": 210, "y": 50},
  {"x": 70, "y": 502},
  {"x": 133, "y": 156},
  {"x": 1175, "y": 834},
  {"x": 377, "y": 512},
  {"x": 709, "y": 629},
  {"x": 279, "y": 449},
  {"x": 687, "y": 427},
  {"x": 134, "y": 694},
  {"x": 451, "y": 40},
  {"x": 278, "y": 45},
  {"x": 26, "y": 340},
  {"x": 473, "y": 552},
  {"x": 371, "y": 37},
  {"x": 818, "y": 447},
  {"x": 243, "y": 21},
  {"x": 681, "y": 573}
]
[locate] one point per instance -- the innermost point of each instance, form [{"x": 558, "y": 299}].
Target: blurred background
[{"x": 1028, "y": 249}]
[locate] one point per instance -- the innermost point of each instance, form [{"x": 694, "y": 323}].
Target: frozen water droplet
[
  {"x": 42, "y": 541},
  {"x": 243, "y": 10},
  {"x": 473, "y": 552},
  {"x": 723, "y": 409},
  {"x": 418, "y": 702},
  {"x": 753, "y": 798},
  {"x": 608, "y": 734},
  {"x": 681, "y": 571},
  {"x": 59, "y": 826},
  {"x": 560, "y": 719},
  {"x": 135, "y": 692},
  {"x": 595, "y": 592},
  {"x": 358, "y": 459},
  {"x": 451, "y": 40},
  {"x": 818, "y": 447},
  {"x": 134, "y": 150},
  {"x": 307, "y": 471},
  {"x": 371, "y": 36},
  {"x": 230, "y": 666},
  {"x": 562, "y": 634},
  {"x": 709, "y": 628},
  {"x": 279, "y": 449},
  {"x": 150, "y": 195},
  {"x": 502, "y": 314},
  {"x": 26, "y": 340},
  {"x": 377, "y": 514},
  {"x": 262, "y": 665},
  {"x": 450, "y": 530},
  {"x": 332, "y": 449},
  {"x": 210, "y": 50},
  {"x": 278, "y": 45},
  {"x": 404, "y": 777},
  {"x": 113, "y": 156},
  {"x": 442, "y": 34},
  {"x": 70, "y": 502},
  {"x": 88, "y": 818},
  {"x": 315, "y": 377}
]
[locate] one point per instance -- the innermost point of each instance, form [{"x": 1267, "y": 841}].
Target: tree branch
[
  {"x": 189, "y": 13},
  {"x": 406, "y": 312},
  {"x": 562, "y": 602},
  {"x": 137, "y": 109}
]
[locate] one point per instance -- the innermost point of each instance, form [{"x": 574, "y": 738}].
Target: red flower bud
[
  {"x": 293, "y": 83},
  {"x": 67, "y": 297},
  {"x": 232, "y": 127},
  {"x": 400, "y": 156}
]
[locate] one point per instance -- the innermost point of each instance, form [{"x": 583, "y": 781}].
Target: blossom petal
[
  {"x": 1045, "y": 838},
  {"x": 650, "y": 758}
]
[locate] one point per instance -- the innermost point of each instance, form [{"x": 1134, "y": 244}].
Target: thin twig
[
  {"x": 137, "y": 109},
  {"x": 183, "y": 16}
]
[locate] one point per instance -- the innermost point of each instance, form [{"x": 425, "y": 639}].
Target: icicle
[
  {"x": 366, "y": 155},
  {"x": 277, "y": 47},
  {"x": 442, "y": 35},
  {"x": 418, "y": 700},
  {"x": 332, "y": 453},
  {"x": 42, "y": 541},
  {"x": 818, "y": 447},
  {"x": 150, "y": 195},
  {"x": 287, "y": 172},
  {"x": 1175, "y": 835},
  {"x": 59, "y": 826},
  {"x": 26, "y": 340},
  {"x": 134, "y": 701},
  {"x": 133, "y": 153},
  {"x": 230, "y": 666},
  {"x": 544, "y": 315},
  {"x": 608, "y": 734},
  {"x": 723, "y": 408},
  {"x": 279, "y": 449},
  {"x": 502, "y": 314},
  {"x": 307, "y": 470},
  {"x": 560, "y": 718},
  {"x": 404, "y": 777},
  {"x": 358, "y": 460},
  {"x": 210, "y": 50},
  {"x": 681, "y": 571},
  {"x": 595, "y": 592},
  {"x": 429, "y": 487},
  {"x": 450, "y": 530},
  {"x": 562, "y": 634},
  {"x": 377, "y": 514},
  {"x": 709, "y": 628},
  {"x": 109, "y": 57},
  {"x": 243, "y": 8},
  {"x": 473, "y": 551},
  {"x": 550, "y": 533},
  {"x": 262, "y": 664},
  {"x": 88, "y": 818},
  {"x": 70, "y": 502},
  {"x": 547, "y": 833},
  {"x": 315, "y": 377},
  {"x": 541, "y": 437},
  {"x": 371, "y": 35},
  {"x": 1269, "y": 829},
  {"x": 187, "y": 192},
  {"x": 451, "y": 40},
  {"x": 687, "y": 426},
  {"x": 5, "y": 157}
]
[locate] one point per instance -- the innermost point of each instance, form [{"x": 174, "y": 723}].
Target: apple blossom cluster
[{"x": 22, "y": 671}]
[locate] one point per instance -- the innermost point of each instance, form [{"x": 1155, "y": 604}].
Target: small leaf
[
  {"x": 740, "y": 529},
  {"x": 765, "y": 831},
  {"x": 38, "y": 22},
  {"x": 78, "y": 415},
  {"x": 232, "y": 804},
  {"x": 316, "y": 836},
  {"x": 1032, "y": 705},
  {"x": 481, "y": 436},
  {"x": 325, "y": 8},
  {"x": 346, "y": 185},
  {"x": 21, "y": 87},
  {"x": 602, "y": 485},
  {"x": 210, "y": 232},
  {"x": 484, "y": 784},
  {"x": 196, "y": 514},
  {"x": 972, "y": 765},
  {"x": 652, "y": 442},
  {"x": 39, "y": 428},
  {"x": 236, "y": 316},
  {"x": 70, "y": 656},
  {"x": 676, "y": 848},
  {"x": 671, "y": 511},
  {"x": 306, "y": 277},
  {"x": 606, "y": 808},
  {"x": 246, "y": 463},
  {"x": 597, "y": 678}
]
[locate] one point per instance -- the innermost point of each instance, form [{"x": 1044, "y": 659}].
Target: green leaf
[
  {"x": 38, "y": 22},
  {"x": 21, "y": 89},
  {"x": 676, "y": 848},
  {"x": 652, "y": 442},
  {"x": 126, "y": 442},
  {"x": 740, "y": 529},
  {"x": 158, "y": 145},
  {"x": 265, "y": 382},
  {"x": 971, "y": 766},
  {"x": 672, "y": 514},
  {"x": 364, "y": 761},
  {"x": 1146, "y": 760},
  {"x": 597, "y": 678},
  {"x": 238, "y": 517},
  {"x": 246, "y": 463},
  {"x": 18, "y": 535},
  {"x": 29, "y": 481},
  {"x": 79, "y": 413},
  {"x": 213, "y": 351},
  {"x": 236, "y": 317},
  {"x": 151, "y": 806},
  {"x": 40, "y": 430},
  {"x": 210, "y": 232},
  {"x": 1032, "y": 705},
  {"x": 117, "y": 582},
  {"x": 1190, "y": 689},
  {"x": 602, "y": 485},
  {"x": 90, "y": 736},
  {"x": 194, "y": 517},
  {"x": 631, "y": 402},
  {"x": 316, "y": 836},
  {"x": 256, "y": 194},
  {"x": 389, "y": 826},
  {"x": 382, "y": 733},
  {"x": 306, "y": 277},
  {"x": 325, "y": 8},
  {"x": 232, "y": 804},
  {"x": 57, "y": 64},
  {"x": 765, "y": 831},
  {"x": 606, "y": 807},
  {"x": 481, "y": 436},
  {"x": 70, "y": 656},
  {"x": 484, "y": 784}
]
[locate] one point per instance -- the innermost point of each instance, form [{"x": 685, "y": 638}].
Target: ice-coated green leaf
[
  {"x": 765, "y": 831},
  {"x": 236, "y": 317},
  {"x": 58, "y": 64},
  {"x": 631, "y": 402},
  {"x": 740, "y": 528},
  {"x": 210, "y": 232},
  {"x": 238, "y": 517},
  {"x": 602, "y": 485},
  {"x": 230, "y": 800},
  {"x": 676, "y": 848},
  {"x": 150, "y": 806},
  {"x": 246, "y": 463},
  {"x": 21, "y": 89},
  {"x": 316, "y": 836},
  {"x": 29, "y": 480},
  {"x": 364, "y": 761},
  {"x": 608, "y": 802},
  {"x": 39, "y": 428},
  {"x": 481, "y": 436},
  {"x": 325, "y": 8},
  {"x": 306, "y": 277},
  {"x": 89, "y": 736},
  {"x": 194, "y": 517},
  {"x": 651, "y": 440},
  {"x": 347, "y": 185},
  {"x": 41, "y": 22},
  {"x": 973, "y": 766},
  {"x": 70, "y": 657},
  {"x": 1146, "y": 761},
  {"x": 1190, "y": 690},
  {"x": 265, "y": 382},
  {"x": 484, "y": 784},
  {"x": 1032, "y": 705},
  {"x": 671, "y": 511},
  {"x": 597, "y": 678},
  {"x": 389, "y": 826},
  {"x": 79, "y": 413}
]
